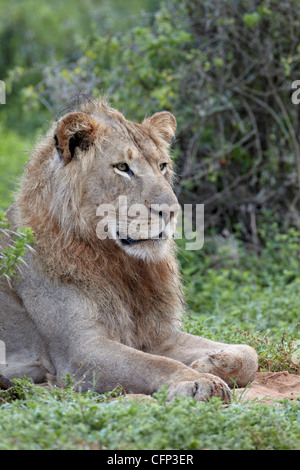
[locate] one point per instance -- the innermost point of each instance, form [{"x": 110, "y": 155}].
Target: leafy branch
[{"x": 12, "y": 255}]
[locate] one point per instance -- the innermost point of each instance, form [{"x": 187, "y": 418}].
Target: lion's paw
[
  {"x": 237, "y": 365},
  {"x": 202, "y": 389}
]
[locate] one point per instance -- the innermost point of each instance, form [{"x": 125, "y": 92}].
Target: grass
[
  {"x": 232, "y": 296},
  {"x": 55, "y": 419}
]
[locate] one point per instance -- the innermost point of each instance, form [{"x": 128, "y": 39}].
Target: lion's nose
[{"x": 164, "y": 211}]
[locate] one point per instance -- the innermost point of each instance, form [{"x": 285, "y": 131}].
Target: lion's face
[{"x": 121, "y": 174}]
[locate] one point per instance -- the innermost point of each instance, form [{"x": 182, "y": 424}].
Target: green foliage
[
  {"x": 232, "y": 296},
  {"x": 49, "y": 420},
  {"x": 224, "y": 69},
  {"x": 251, "y": 19},
  {"x": 207, "y": 63},
  {"x": 274, "y": 356},
  {"x": 236, "y": 295},
  {"x": 12, "y": 255},
  {"x": 146, "y": 63},
  {"x": 13, "y": 155},
  {"x": 225, "y": 262},
  {"x": 33, "y": 31}
]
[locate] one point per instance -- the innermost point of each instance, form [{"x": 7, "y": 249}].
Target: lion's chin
[{"x": 150, "y": 251}]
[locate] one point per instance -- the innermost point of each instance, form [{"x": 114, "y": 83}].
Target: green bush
[
  {"x": 225, "y": 70},
  {"x": 14, "y": 150},
  {"x": 256, "y": 290}
]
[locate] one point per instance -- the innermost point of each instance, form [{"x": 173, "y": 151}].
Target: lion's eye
[
  {"x": 122, "y": 166},
  {"x": 163, "y": 166}
]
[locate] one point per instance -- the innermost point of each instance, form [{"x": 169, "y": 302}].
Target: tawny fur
[
  {"x": 96, "y": 305},
  {"x": 72, "y": 253}
]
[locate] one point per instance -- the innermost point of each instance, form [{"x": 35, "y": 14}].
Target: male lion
[{"x": 106, "y": 311}]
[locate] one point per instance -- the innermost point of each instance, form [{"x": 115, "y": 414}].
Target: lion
[{"x": 106, "y": 311}]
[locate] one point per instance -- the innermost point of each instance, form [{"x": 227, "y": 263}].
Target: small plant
[
  {"x": 13, "y": 253},
  {"x": 69, "y": 381},
  {"x": 274, "y": 357},
  {"x": 22, "y": 389}
]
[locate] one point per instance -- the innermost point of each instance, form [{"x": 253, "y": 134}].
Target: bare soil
[{"x": 269, "y": 386}]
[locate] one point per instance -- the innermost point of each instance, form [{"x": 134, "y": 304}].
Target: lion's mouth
[{"x": 132, "y": 241}]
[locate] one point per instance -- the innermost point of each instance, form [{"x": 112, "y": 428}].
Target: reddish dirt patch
[{"x": 268, "y": 386}]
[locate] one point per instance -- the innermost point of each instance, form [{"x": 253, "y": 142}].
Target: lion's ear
[
  {"x": 76, "y": 130},
  {"x": 163, "y": 124}
]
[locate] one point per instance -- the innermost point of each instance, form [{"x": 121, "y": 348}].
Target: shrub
[{"x": 225, "y": 70}]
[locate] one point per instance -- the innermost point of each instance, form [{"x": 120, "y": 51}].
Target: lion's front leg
[
  {"x": 105, "y": 364},
  {"x": 70, "y": 326},
  {"x": 236, "y": 364}
]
